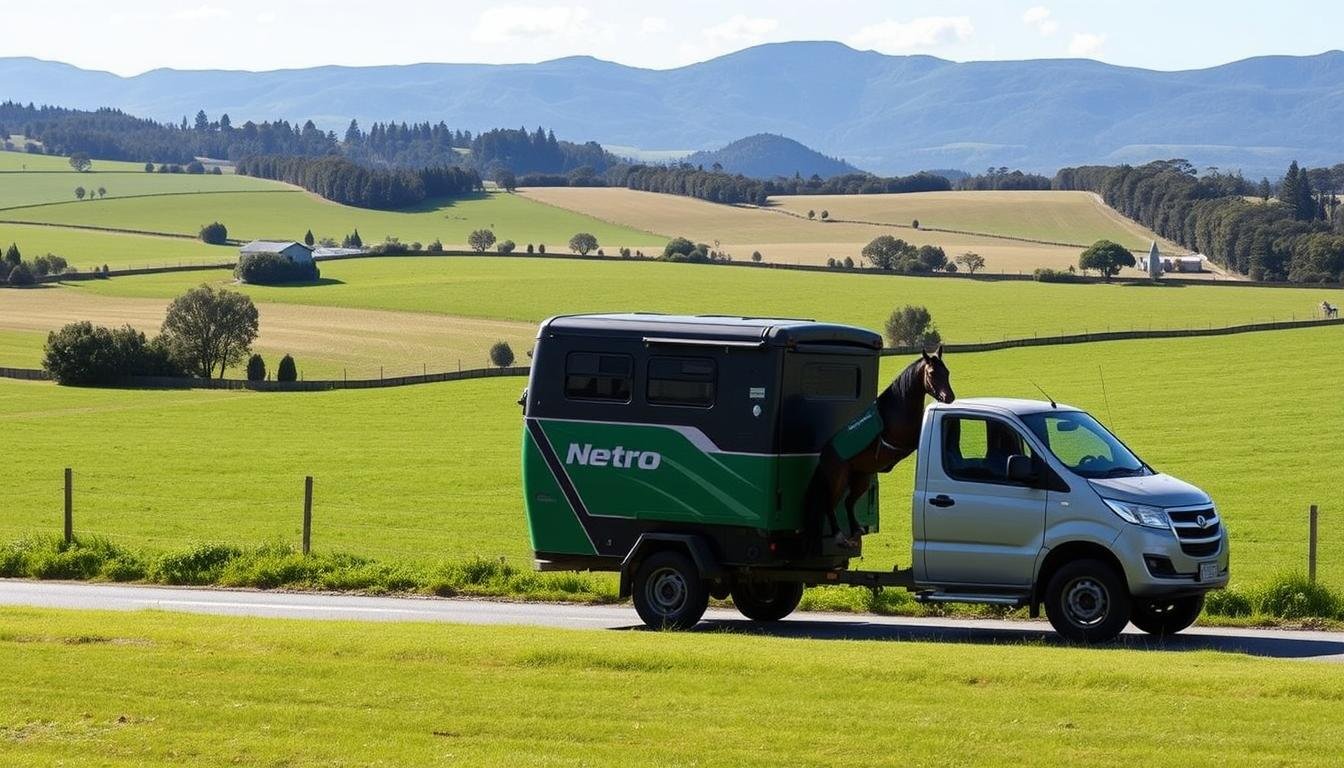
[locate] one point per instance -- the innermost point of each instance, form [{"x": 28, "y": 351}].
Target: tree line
[
  {"x": 720, "y": 187},
  {"x": 1294, "y": 232},
  {"x": 1001, "y": 179},
  {"x": 340, "y": 180}
]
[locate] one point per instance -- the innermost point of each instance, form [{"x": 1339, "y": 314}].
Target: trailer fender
[{"x": 695, "y": 546}]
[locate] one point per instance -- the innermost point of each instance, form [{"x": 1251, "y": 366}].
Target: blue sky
[{"x": 131, "y": 36}]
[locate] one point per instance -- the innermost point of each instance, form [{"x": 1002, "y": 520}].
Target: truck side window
[
  {"x": 595, "y": 376},
  {"x": 977, "y": 449},
  {"x": 687, "y": 381},
  {"x": 830, "y": 381}
]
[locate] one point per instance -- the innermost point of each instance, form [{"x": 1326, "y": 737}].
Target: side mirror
[{"x": 1020, "y": 469}]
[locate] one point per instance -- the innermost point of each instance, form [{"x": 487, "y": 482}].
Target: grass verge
[{"x": 1289, "y": 598}]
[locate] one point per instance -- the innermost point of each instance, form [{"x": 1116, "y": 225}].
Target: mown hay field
[
  {"x": 153, "y": 688},
  {"x": 430, "y": 472}
]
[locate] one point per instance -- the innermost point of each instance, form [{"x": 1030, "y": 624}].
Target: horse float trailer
[{"x": 685, "y": 453}]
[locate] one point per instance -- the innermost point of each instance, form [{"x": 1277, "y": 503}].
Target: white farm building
[{"x": 296, "y": 252}]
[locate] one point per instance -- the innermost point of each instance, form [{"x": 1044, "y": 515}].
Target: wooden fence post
[
  {"x": 69, "y": 505},
  {"x": 307, "y": 513},
  {"x": 1311, "y": 545}
]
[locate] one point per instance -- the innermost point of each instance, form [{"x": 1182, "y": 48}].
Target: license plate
[{"x": 1208, "y": 571}]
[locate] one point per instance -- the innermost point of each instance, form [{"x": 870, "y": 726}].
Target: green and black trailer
[{"x": 677, "y": 450}]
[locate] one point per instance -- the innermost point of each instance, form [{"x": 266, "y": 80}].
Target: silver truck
[{"x": 1022, "y": 502}]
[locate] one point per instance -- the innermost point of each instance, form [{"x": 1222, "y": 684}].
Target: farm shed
[{"x": 294, "y": 251}]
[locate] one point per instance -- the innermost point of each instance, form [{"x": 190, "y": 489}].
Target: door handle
[{"x": 942, "y": 500}]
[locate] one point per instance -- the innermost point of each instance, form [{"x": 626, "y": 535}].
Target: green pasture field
[
  {"x": 965, "y": 310},
  {"x": 86, "y": 249},
  {"x": 154, "y": 689},
  {"x": 431, "y": 472},
  {"x": 20, "y": 161},
  {"x": 251, "y": 215},
  {"x": 18, "y": 189}
]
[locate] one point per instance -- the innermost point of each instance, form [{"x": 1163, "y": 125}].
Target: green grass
[
  {"x": 86, "y": 249},
  {"x": 431, "y": 472},
  {"x": 19, "y": 161},
  {"x": 29, "y": 189},
  {"x": 21, "y": 349},
  {"x": 965, "y": 310},
  {"x": 288, "y": 215},
  {"x": 148, "y": 689}
]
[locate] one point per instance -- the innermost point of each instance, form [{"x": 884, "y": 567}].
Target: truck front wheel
[
  {"x": 669, "y": 592},
  {"x": 1087, "y": 602},
  {"x": 766, "y": 600},
  {"x": 1166, "y": 617}
]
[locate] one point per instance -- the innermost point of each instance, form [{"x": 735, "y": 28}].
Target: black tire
[
  {"x": 1167, "y": 616},
  {"x": 1087, "y": 602},
  {"x": 668, "y": 591},
  {"x": 767, "y": 600}
]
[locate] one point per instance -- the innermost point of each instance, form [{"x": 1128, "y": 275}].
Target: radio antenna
[
  {"x": 1042, "y": 391},
  {"x": 1104, "y": 398}
]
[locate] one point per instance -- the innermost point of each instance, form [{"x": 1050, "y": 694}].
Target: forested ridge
[
  {"x": 342, "y": 181},
  {"x": 1290, "y": 231}
]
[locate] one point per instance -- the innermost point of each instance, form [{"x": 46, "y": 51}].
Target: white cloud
[
  {"x": 653, "y": 25},
  {"x": 905, "y": 36},
  {"x": 266, "y": 17},
  {"x": 1086, "y": 45},
  {"x": 201, "y": 13},
  {"x": 1038, "y": 16},
  {"x": 741, "y": 30},
  {"x": 515, "y": 23}
]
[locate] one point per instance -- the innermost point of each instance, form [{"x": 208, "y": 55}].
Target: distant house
[
  {"x": 1192, "y": 263},
  {"x": 294, "y": 251}
]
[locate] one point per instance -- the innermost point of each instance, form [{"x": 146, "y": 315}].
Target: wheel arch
[
  {"x": 1065, "y": 553},
  {"x": 693, "y": 546}
]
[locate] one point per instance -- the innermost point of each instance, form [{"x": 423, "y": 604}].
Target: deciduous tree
[{"x": 210, "y": 329}]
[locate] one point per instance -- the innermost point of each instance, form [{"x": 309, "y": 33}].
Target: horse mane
[{"x": 903, "y": 386}]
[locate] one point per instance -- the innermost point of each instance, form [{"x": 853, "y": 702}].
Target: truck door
[{"x": 979, "y": 526}]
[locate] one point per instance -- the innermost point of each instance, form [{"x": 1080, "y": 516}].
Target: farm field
[
  {"x": 531, "y": 290},
  {"x": 430, "y": 472},
  {"x": 21, "y": 161},
  {"x": 36, "y": 188},
  {"x": 155, "y": 688},
  {"x": 783, "y": 238},
  {"x": 288, "y": 215},
  {"x": 326, "y": 342},
  {"x": 86, "y": 249}
]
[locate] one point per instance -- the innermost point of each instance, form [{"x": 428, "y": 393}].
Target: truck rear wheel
[
  {"x": 1166, "y": 617},
  {"x": 760, "y": 600},
  {"x": 668, "y": 591},
  {"x": 1087, "y": 602}
]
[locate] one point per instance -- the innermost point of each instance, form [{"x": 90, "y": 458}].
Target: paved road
[{"x": 1309, "y": 645}]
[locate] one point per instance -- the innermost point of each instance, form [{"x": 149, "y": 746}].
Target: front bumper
[{"x": 1139, "y": 549}]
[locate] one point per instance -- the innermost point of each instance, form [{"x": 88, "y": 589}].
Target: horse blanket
[{"x": 858, "y": 434}]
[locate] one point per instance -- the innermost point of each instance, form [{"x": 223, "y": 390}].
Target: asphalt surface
[{"x": 1270, "y": 643}]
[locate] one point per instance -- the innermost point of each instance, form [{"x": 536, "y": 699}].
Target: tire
[
  {"x": 767, "y": 600},
  {"x": 1087, "y": 602},
  {"x": 1168, "y": 616},
  {"x": 668, "y": 591}
]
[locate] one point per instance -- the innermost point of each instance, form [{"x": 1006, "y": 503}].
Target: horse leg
[
  {"x": 858, "y": 486},
  {"x": 823, "y": 493}
]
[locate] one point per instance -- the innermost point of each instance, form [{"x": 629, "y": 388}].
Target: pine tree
[
  {"x": 12, "y": 255},
  {"x": 1305, "y": 202},
  {"x": 1288, "y": 188},
  {"x": 1265, "y": 190},
  {"x": 308, "y": 239}
]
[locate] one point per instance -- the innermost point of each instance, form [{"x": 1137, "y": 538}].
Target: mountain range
[{"x": 886, "y": 114}]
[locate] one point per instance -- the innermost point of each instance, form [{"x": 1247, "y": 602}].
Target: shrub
[
  {"x": 582, "y": 243},
  {"x": 89, "y": 355},
  {"x": 256, "y": 368},
  {"x": 912, "y": 326},
  {"x": 825, "y": 215},
  {"x": 915, "y": 224},
  {"x": 202, "y": 564},
  {"x": 480, "y": 240},
  {"x": 390, "y": 246},
  {"x": 501, "y": 354},
  {"x": 1294, "y": 597},
  {"x": 849, "y": 262},
  {"x": 195, "y": 166},
  {"x": 530, "y": 249},
  {"x": 506, "y": 247},
  {"x": 434, "y": 247},
  {"x": 51, "y": 264},
  {"x": 1048, "y": 275},
  {"x": 951, "y": 268},
  {"x": 682, "y": 250},
  {"x": 830, "y": 262},
  {"x": 20, "y": 275},
  {"x": 756, "y": 256},
  {"x": 274, "y": 269},
  {"x": 286, "y": 371},
  {"x": 811, "y": 214},
  {"x": 149, "y": 167},
  {"x": 541, "y": 248},
  {"x": 214, "y": 234}
]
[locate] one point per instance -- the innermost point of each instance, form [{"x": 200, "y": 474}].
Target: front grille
[{"x": 1197, "y": 540}]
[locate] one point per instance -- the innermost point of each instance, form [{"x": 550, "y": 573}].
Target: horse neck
[{"x": 902, "y": 402}]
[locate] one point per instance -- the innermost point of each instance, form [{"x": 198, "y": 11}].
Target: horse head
[{"x": 935, "y": 377}]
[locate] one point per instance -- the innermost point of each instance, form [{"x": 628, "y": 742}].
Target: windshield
[{"x": 1084, "y": 446}]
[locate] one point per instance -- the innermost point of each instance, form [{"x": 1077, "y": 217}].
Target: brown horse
[{"x": 848, "y": 462}]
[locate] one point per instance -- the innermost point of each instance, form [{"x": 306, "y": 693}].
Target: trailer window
[
  {"x": 830, "y": 381},
  {"x": 687, "y": 381},
  {"x": 594, "y": 376}
]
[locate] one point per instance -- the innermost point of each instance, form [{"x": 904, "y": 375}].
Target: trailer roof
[{"x": 714, "y": 328}]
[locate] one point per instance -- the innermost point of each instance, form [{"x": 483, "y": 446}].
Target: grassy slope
[
  {"x": 965, "y": 310},
  {"x": 276, "y": 215},
  {"x": 28, "y": 189},
  {"x": 86, "y": 249},
  {"x": 148, "y": 689},
  {"x": 429, "y": 472},
  {"x": 18, "y": 161}
]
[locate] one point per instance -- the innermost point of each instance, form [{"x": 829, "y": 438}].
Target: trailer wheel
[
  {"x": 669, "y": 592},
  {"x": 1166, "y": 617},
  {"x": 766, "y": 600},
  {"x": 1087, "y": 602}
]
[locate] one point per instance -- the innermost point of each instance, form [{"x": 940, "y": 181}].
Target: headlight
[{"x": 1139, "y": 514}]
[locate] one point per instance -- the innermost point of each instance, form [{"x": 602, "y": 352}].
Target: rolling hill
[
  {"x": 887, "y": 114},
  {"x": 767, "y": 155}
]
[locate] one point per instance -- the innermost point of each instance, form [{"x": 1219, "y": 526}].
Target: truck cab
[{"x": 1023, "y": 502}]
